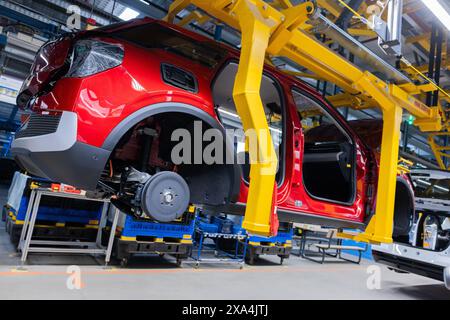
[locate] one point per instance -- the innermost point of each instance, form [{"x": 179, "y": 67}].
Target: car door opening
[{"x": 328, "y": 153}]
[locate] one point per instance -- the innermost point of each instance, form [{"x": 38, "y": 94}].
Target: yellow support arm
[
  {"x": 256, "y": 30},
  {"x": 381, "y": 225}
]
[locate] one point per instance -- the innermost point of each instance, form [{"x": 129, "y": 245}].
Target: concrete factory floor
[{"x": 46, "y": 277}]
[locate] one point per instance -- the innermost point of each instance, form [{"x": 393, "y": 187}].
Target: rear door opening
[{"x": 329, "y": 153}]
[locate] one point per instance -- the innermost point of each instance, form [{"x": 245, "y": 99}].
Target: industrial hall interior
[{"x": 224, "y": 150}]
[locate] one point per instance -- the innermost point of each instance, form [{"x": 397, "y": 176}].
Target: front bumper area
[{"x": 56, "y": 154}]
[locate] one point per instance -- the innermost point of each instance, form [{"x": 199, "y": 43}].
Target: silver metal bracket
[{"x": 390, "y": 32}]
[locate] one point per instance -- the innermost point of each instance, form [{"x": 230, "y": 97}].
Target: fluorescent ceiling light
[
  {"x": 424, "y": 182},
  {"x": 128, "y": 14},
  {"x": 439, "y": 11},
  {"x": 234, "y": 115},
  {"x": 442, "y": 188}
]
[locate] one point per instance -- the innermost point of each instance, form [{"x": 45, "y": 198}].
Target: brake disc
[{"x": 165, "y": 196}]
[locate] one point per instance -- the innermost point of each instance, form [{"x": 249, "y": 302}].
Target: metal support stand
[
  {"x": 27, "y": 244},
  {"x": 220, "y": 256}
]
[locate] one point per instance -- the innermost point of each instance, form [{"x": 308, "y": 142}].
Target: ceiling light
[
  {"x": 439, "y": 11},
  {"x": 128, "y": 14},
  {"x": 442, "y": 188},
  {"x": 424, "y": 182}
]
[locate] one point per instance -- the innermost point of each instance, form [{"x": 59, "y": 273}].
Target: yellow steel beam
[
  {"x": 347, "y": 100},
  {"x": 302, "y": 74},
  {"x": 256, "y": 28},
  {"x": 344, "y": 100},
  {"x": 194, "y": 16},
  {"x": 404, "y": 166},
  {"x": 176, "y": 8},
  {"x": 331, "y": 6},
  {"x": 382, "y": 222},
  {"x": 282, "y": 4},
  {"x": 418, "y": 89},
  {"x": 421, "y": 68},
  {"x": 363, "y": 32},
  {"x": 421, "y": 37},
  {"x": 301, "y": 48}
]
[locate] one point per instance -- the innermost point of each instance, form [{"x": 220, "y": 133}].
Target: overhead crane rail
[{"x": 279, "y": 29}]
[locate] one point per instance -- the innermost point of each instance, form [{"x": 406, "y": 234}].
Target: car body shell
[{"x": 102, "y": 101}]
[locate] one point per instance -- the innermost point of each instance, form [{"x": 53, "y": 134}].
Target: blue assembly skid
[{"x": 151, "y": 237}]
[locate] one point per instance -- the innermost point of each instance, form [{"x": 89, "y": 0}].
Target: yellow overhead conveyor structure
[{"x": 279, "y": 29}]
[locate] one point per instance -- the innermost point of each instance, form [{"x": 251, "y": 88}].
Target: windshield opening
[{"x": 155, "y": 36}]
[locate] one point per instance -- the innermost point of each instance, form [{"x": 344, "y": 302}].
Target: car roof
[{"x": 232, "y": 52}]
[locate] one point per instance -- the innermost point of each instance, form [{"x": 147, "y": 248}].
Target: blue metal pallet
[
  {"x": 282, "y": 237},
  {"x": 151, "y": 237},
  {"x": 59, "y": 214},
  {"x": 133, "y": 228},
  {"x": 204, "y": 225},
  {"x": 216, "y": 224}
]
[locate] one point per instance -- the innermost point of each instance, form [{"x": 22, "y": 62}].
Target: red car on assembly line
[{"x": 106, "y": 102}]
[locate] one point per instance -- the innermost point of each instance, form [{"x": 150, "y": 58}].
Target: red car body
[{"x": 104, "y": 104}]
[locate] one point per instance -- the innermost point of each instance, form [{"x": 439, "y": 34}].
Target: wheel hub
[{"x": 168, "y": 196}]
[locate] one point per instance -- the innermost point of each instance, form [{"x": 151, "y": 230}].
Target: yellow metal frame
[
  {"x": 249, "y": 106},
  {"x": 280, "y": 31},
  {"x": 404, "y": 166},
  {"x": 440, "y": 152}
]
